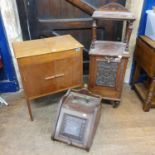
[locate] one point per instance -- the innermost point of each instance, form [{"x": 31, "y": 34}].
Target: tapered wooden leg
[
  {"x": 147, "y": 104},
  {"x": 29, "y": 109}
]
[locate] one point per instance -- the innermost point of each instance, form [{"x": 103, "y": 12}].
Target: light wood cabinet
[{"x": 49, "y": 65}]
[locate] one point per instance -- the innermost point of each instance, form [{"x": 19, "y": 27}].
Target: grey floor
[{"x": 126, "y": 130}]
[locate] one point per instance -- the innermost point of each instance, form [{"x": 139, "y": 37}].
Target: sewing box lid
[{"x": 45, "y": 46}]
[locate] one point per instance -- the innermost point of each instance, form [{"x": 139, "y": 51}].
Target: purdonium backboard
[{"x": 77, "y": 119}]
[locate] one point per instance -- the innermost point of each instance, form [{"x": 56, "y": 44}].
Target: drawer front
[
  {"x": 70, "y": 71},
  {"x": 145, "y": 56},
  {"x": 51, "y": 73},
  {"x": 38, "y": 79}
]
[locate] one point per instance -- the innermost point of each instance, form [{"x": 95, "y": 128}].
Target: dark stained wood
[
  {"x": 145, "y": 56},
  {"x": 116, "y": 12},
  {"x": 109, "y": 48},
  {"x": 129, "y": 29},
  {"x": 108, "y": 59},
  {"x": 83, "y": 5},
  {"x": 51, "y": 17},
  {"x": 113, "y": 11},
  {"x": 23, "y": 18},
  {"x": 78, "y": 105},
  {"x": 145, "y": 59},
  {"x": 108, "y": 93}
]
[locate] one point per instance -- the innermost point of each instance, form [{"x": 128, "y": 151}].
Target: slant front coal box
[{"x": 77, "y": 119}]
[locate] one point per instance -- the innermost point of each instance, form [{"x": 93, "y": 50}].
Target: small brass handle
[
  {"x": 59, "y": 75},
  {"x": 112, "y": 59},
  {"x": 50, "y": 77},
  {"x": 54, "y": 76}
]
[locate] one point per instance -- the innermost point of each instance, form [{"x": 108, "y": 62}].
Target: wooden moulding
[
  {"x": 113, "y": 11},
  {"x": 77, "y": 118},
  {"x": 83, "y": 5}
]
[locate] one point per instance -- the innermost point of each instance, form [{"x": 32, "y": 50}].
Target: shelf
[
  {"x": 109, "y": 48},
  {"x": 113, "y": 11},
  {"x": 142, "y": 92}
]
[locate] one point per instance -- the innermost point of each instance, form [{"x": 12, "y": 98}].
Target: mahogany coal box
[{"x": 77, "y": 118}]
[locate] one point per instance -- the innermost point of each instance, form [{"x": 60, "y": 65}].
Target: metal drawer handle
[
  {"x": 59, "y": 75},
  {"x": 50, "y": 77},
  {"x": 112, "y": 59},
  {"x": 54, "y": 76}
]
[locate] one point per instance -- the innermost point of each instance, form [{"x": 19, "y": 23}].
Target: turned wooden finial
[
  {"x": 94, "y": 35},
  {"x": 94, "y": 26}
]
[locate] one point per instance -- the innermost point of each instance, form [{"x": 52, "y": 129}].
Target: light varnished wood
[
  {"x": 45, "y": 46},
  {"x": 49, "y": 72},
  {"x": 148, "y": 41}
]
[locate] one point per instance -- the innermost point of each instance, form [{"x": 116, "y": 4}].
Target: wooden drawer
[{"x": 145, "y": 56}]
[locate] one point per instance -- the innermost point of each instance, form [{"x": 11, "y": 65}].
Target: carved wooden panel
[
  {"x": 73, "y": 127},
  {"x": 106, "y": 73}
]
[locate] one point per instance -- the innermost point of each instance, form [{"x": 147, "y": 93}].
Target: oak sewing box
[{"x": 49, "y": 65}]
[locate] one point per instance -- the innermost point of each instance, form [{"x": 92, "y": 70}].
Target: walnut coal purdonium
[
  {"x": 108, "y": 59},
  {"x": 77, "y": 119}
]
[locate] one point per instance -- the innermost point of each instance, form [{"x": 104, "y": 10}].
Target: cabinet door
[
  {"x": 110, "y": 74},
  {"x": 39, "y": 79},
  {"x": 68, "y": 71},
  {"x": 106, "y": 78}
]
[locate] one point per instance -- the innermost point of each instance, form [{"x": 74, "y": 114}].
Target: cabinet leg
[
  {"x": 115, "y": 104},
  {"x": 29, "y": 109},
  {"x": 147, "y": 104},
  {"x": 136, "y": 75}
]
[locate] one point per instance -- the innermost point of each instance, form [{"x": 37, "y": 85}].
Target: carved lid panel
[{"x": 45, "y": 46}]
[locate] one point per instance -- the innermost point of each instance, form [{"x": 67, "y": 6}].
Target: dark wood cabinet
[
  {"x": 106, "y": 74},
  {"x": 49, "y": 65},
  {"x": 108, "y": 59},
  {"x": 145, "y": 60}
]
